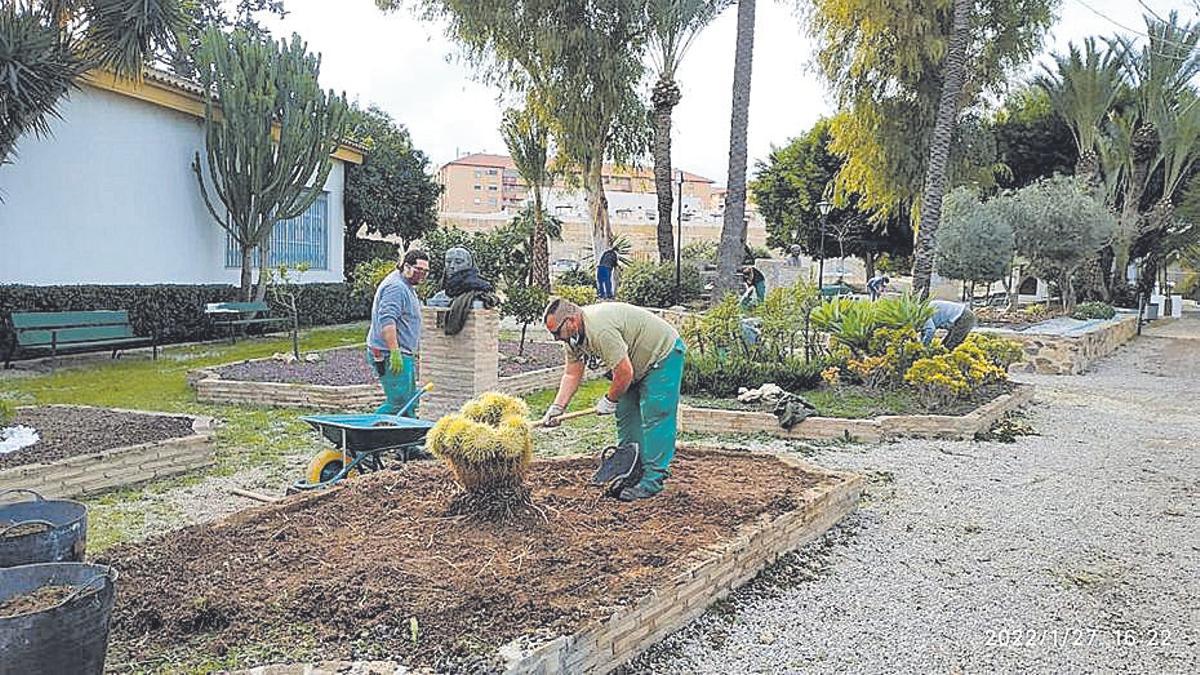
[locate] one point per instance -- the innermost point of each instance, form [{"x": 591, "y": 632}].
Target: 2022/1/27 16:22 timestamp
[{"x": 1086, "y": 637}]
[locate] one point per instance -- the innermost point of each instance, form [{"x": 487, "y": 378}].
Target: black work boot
[{"x": 635, "y": 493}]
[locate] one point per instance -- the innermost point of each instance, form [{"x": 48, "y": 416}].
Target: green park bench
[
  {"x": 236, "y": 316},
  {"x": 73, "y": 331},
  {"x": 835, "y": 290}
]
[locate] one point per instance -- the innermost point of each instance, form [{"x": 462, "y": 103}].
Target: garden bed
[
  {"x": 85, "y": 450},
  {"x": 376, "y": 568},
  {"x": 342, "y": 380},
  {"x": 1066, "y": 346},
  {"x": 962, "y": 419}
]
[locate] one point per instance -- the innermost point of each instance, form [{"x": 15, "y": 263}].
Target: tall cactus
[{"x": 270, "y": 134}]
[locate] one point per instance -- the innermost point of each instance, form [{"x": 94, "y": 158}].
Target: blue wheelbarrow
[{"x": 360, "y": 443}]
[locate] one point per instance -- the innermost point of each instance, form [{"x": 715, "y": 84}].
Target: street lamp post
[
  {"x": 679, "y": 242},
  {"x": 824, "y": 207}
]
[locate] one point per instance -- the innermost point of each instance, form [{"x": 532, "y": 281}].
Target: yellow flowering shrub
[
  {"x": 942, "y": 378},
  {"x": 831, "y": 376},
  {"x": 1001, "y": 351},
  {"x": 580, "y": 295}
]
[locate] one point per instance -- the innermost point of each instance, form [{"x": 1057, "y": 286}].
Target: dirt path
[{"x": 1073, "y": 551}]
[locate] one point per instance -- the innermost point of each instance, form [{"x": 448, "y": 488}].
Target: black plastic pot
[
  {"x": 70, "y": 637},
  {"x": 64, "y": 539}
]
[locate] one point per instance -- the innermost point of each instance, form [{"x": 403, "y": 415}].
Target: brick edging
[
  {"x": 870, "y": 430},
  {"x": 87, "y": 475},
  {"x": 711, "y": 574}
]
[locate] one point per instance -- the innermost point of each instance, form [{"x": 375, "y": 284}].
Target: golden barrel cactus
[{"x": 488, "y": 445}]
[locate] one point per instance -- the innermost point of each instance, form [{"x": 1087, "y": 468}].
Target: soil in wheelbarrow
[
  {"x": 36, "y": 601},
  {"x": 67, "y": 431},
  {"x": 348, "y": 366},
  {"x": 377, "y": 567}
]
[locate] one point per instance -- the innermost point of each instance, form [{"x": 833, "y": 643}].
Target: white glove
[
  {"x": 550, "y": 419},
  {"x": 604, "y": 406}
]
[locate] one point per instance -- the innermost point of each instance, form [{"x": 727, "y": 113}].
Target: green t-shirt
[{"x": 614, "y": 330}]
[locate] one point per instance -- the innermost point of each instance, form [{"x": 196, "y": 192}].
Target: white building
[{"x": 110, "y": 197}]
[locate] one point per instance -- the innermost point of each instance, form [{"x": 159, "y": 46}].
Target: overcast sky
[{"x": 408, "y": 68}]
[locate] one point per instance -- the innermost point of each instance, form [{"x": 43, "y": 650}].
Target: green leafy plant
[
  {"x": 720, "y": 376},
  {"x": 653, "y": 284},
  {"x": 525, "y": 304},
  {"x": 8, "y": 410},
  {"x": 1094, "y": 310},
  {"x": 848, "y": 322},
  {"x": 580, "y": 295},
  {"x": 575, "y": 277},
  {"x": 368, "y": 275},
  {"x": 905, "y": 311}
]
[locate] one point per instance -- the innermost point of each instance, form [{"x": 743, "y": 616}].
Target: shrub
[
  {"x": 891, "y": 352},
  {"x": 975, "y": 241},
  {"x": 368, "y": 275},
  {"x": 653, "y": 284},
  {"x": 1000, "y": 351},
  {"x": 575, "y": 277},
  {"x": 853, "y": 323},
  {"x": 945, "y": 377},
  {"x": 8, "y": 410},
  {"x": 700, "y": 253},
  {"x": 1094, "y": 310},
  {"x": 720, "y": 376},
  {"x": 896, "y": 265},
  {"x": 175, "y": 311},
  {"x": 525, "y": 304},
  {"x": 488, "y": 445},
  {"x": 357, "y": 251},
  {"x": 580, "y": 295}
]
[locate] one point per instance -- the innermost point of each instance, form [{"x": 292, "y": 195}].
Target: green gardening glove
[{"x": 397, "y": 361}]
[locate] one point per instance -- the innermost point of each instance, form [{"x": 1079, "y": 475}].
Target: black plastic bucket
[
  {"x": 70, "y": 637},
  {"x": 62, "y": 537}
]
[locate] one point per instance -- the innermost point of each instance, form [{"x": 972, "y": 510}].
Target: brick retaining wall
[
  {"x": 84, "y": 475},
  {"x": 716, "y": 421}
]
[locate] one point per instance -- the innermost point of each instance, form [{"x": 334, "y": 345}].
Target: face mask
[{"x": 576, "y": 340}]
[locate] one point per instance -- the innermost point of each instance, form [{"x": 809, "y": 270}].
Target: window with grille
[{"x": 303, "y": 239}]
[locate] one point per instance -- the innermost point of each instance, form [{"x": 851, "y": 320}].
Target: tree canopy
[
  {"x": 790, "y": 184},
  {"x": 391, "y": 192},
  {"x": 975, "y": 241}
]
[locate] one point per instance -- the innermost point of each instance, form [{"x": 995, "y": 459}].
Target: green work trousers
[
  {"x": 399, "y": 388},
  {"x": 646, "y": 415}
]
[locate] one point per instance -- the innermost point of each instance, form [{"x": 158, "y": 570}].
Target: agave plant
[
  {"x": 487, "y": 445},
  {"x": 905, "y": 311},
  {"x": 848, "y": 322}
]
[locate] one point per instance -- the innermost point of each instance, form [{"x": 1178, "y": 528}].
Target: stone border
[
  {"x": 86, "y": 475},
  {"x": 872, "y": 429},
  {"x": 1050, "y": 354},
  {"x": 709, "y": 575}
]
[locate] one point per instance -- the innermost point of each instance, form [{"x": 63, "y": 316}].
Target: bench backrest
[
  {"x": 241, "y": 307},
  {"x": 43, "y": 328}
]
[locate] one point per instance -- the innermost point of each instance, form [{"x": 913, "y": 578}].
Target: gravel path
[{"x": 1074, "y": 551}]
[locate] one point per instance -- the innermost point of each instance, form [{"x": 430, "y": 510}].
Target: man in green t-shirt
[{"x": 644, "y": 355}]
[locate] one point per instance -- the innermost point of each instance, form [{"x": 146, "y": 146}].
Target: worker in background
[
  {"x": 604, "y": 274},
  {"x": 877, "y": 285},
  {"x": 644, "y": 355},
  {"x": 954, "y": 317},
  {"x": 395, "y": 335},
  {"x": 755, "y": 286}
]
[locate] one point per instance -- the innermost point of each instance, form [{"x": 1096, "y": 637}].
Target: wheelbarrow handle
[
  {"x": 567, "y": 417},
  {"x": 35, "y": 493},
  {"x": 407, "y": 406}
]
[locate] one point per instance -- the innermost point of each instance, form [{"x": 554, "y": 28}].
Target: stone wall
[
  {"x": 85, "y": 475},
  {"x": 869, "y": 430},
  {"x": 1049, "y": 354}
]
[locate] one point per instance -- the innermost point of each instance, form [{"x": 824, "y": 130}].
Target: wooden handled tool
[{"x": 569, "y": 416}]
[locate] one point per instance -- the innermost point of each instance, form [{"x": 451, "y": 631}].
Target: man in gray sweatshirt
[{"x": 395, "y": 336}]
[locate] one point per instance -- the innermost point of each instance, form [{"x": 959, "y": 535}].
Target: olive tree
[
  {"x": 975, "y": 241},
  {"x": 1058, "y": 223}
]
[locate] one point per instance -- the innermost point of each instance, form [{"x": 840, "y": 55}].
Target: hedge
[{"x": 177, "y": 311}]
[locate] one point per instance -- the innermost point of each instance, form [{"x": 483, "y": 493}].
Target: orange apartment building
[{"x": 481, "y": 183}]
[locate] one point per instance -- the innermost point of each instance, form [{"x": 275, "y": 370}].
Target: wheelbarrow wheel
[{"x": 325, "y": 466}]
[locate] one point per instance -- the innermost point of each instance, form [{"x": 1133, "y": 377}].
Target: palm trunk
[
  {"x": 541, "y": 252},
  {"x": 733, "y": 232},
  {"x": 593, "y": 184},
  {"x": 939, "y": 148},
  {"x": 665, "y": 97}
]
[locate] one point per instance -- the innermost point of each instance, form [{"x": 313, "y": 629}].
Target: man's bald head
[{"x": 560, "y": 311}]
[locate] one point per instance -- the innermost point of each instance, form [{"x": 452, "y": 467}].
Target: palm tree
[
  {"x": 674, "y": 24},
  {"x": 45, "y": 45},
  {"x": 733, "y": 231},
  {"x": 527, "y": 136},
  {"x": 955, "y": 69},
  {"x": 1082, "y": 87}
]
